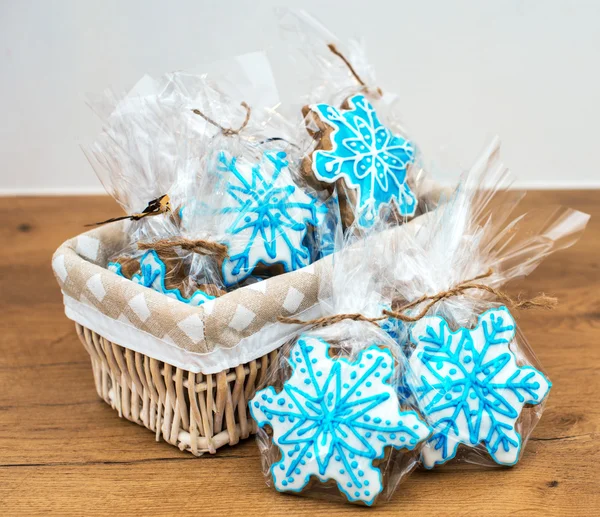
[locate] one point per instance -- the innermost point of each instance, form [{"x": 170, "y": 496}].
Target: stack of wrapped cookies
[{"x": 415, "y": 357}]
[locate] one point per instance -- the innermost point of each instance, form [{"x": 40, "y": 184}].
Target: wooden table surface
[{"x": 64, "y": 451}]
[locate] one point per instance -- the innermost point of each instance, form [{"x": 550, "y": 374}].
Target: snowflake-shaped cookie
[
  {"x": 272, "y": 216},
  {"x": 471, "y": 389},
  {"x": 333, "y": 418},
  {"x": 368, "y": 156},
  {"x": 153, "y": 274}
]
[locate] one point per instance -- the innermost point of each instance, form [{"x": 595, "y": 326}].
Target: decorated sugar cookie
[
  {"x": 471, "y": 387},
  {"x": 153, "y": 274},
  {"x": 272, "y": 216},
  {"x": 372, "y": 162},
  {"x": 334, "y": 418}
]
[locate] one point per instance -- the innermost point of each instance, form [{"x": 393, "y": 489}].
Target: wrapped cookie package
[
  {"x": 269, "y": 219},
  {"x": 229, "y": 207},
  {"x": 331, "y": 419},
  {"x": 352, "y": 134},
  {"x": 137, "y": 158},
  {"x": 473, "y": 375}
]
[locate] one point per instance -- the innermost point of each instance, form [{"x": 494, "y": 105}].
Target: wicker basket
[
  {"x": 186, "y": 373},
  {"x": 195, "y": 412}
]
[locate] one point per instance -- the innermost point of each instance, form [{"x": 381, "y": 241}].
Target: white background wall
[{"x": 528, "y": 70}]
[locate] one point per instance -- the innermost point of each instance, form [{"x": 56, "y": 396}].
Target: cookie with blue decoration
[
  {"x": 472, "y": 388},
  {"x": 268, "y": 217},
  {"x": 336, "y": 420},
  {"x": 165, "y": 273},
  {"x": 364, "y": 159}
]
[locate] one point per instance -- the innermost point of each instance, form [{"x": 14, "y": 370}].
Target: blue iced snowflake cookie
[
  {"x": 333, "y": 418},
  {"x": 366, "y": 155},
  {"x": 471, "y": 389},
  {"x": 271, "y": 216},
  {"x": 153, "y": 274}
]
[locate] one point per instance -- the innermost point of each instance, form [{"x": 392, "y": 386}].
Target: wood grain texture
[{"x": 64, "y": 451}]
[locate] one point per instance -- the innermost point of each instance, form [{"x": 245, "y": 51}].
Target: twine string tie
[
  {"x": 200, "y": 246},
  {"x": 537, "y": 302},
  {"x": 227, "y": 131},
  {"x": 365, "y": 88}
]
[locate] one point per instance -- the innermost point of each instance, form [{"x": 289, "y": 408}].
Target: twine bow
[
  {"x": 200, "y": 246},
  {"x": 537, "y": 302},
  {"x": 227, "y": 131},
  {"x": 157, "y": 206},
  {"x": 365, "y": 88}
]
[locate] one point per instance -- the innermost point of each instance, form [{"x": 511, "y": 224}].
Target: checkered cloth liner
[{"x": 79, "y": 266}]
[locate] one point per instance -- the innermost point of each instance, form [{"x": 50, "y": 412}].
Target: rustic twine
[
  {"x": 200, "y": 246},
  {"x": 157, "y": 206},
  {"x": 538, "y": 302},
  {"x": 365, "y": 88},
  {"x": 227, "y": 131}
]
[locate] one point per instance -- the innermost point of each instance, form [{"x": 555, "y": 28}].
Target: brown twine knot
[
  {"x": 157, "y": 206},
  {"x": 365, "y": 88},
  {"x": 200, "y": 246},
  {"x": 227, "y": 131},
  {"x": 537, "y": 302}
]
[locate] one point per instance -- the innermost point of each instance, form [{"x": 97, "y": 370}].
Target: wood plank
[{"x": 64, "y": 451}]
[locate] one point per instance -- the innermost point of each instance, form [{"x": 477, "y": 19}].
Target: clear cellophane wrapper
[
  {"x": 338, "y": 104},
  {"x": 474, "y": 376},
  {"x": 139, "y": 157},
  {"x": 331, "y": 420},
  {"x": 155, "y": 141},
  {"x": 196, "y": 243},
  {"x": 252, "y": 198}
]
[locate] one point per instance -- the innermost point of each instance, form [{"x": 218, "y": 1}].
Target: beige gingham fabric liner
[{"x": 79, "y": 267}]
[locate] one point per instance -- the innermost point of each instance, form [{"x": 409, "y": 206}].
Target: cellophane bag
[
  {"x": 222, "y": 164},
  {"x": 198, "y": 245},
  {"x": 352, "y": 135},
  {"x": 331, "y": 423},
  {"x": 258, "y": 205},
  {"x": 474, "y": 376},
  {"x": 139, "y": 157}
]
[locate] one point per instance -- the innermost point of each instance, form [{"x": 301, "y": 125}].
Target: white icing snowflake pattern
[
  {"x": 272, "y": 216},
  {"x": 333, "y": 418},
  {"x": 368, "y": 156},
  {"x": 471, "y": 389}
]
